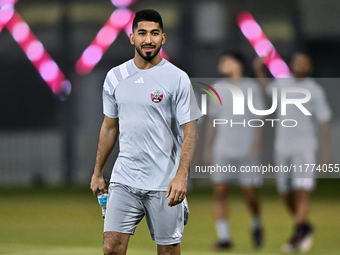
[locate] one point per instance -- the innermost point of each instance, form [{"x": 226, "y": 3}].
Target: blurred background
[
  {"x": 45, "y": 140},
  {"x": 49, "y": 134}
]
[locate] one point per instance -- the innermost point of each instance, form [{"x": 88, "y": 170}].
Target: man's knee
[
  {"x": 173, "y": 249},
  {"x": 220, "y": 192},
  {"x": 109, "y": 249},
  {"x": 249, "y": 192},
  {"x": 114, "y": 248},
  {"x": 115, "y": 243}
]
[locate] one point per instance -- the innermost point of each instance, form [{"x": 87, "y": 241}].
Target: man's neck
[
  {"x": 300, "y": 78},
  {"x": 235, "y": 78},
  {"x": 143, "y": 64}
]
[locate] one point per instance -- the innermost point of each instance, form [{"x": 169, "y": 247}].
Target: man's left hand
[{"x": 177, "y": 190}]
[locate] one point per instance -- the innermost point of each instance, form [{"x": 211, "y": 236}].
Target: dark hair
[
  {"x": 300, "y": 52},
  {"x": 236, "y": 55},
  {"x": 147, "y": 15}
]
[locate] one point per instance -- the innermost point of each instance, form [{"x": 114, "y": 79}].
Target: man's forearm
[
  {"x": 188, "y": 148},
  {"x": 107, "y": 140},
  {"x": 324, "y": 140},
  {"x": 256, "y": 148},
  {"x": 210, "y": 135}
]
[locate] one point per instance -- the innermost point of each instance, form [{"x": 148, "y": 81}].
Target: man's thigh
[
  {"x": 283, "y": 179},
  {"x": 223, "y": 177},
  {"x": 124, "y": 210},
  {"x": 248, "y": 179},
  {"x": 299, "y": 179},
  {"x": 306, "y": 179},
  {"x": 166, "y": 224}
]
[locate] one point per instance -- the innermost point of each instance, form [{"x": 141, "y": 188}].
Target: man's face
[
  {"x": 148, "y": 39},
  {"x": 301, "y": 65},
  {"x": 229, "y": 66}
]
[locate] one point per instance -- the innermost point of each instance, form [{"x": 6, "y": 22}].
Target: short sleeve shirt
[
  {"x": 304, "y": 136},
  {"x": 151, "y": 106},
  {"x": 235, "y": 139}
]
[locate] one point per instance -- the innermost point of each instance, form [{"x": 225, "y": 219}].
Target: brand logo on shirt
[
  {"x": 140, "y": 80},
  {"x": 156, "y": 96}
]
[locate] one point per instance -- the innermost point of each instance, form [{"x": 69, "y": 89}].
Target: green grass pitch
[{"x": 68, "y": 222}]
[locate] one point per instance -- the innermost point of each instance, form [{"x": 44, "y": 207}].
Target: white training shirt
[
  {"x": 235, "y": 141},
  {"x": 151, "y": 106},
  {"x": 292, "y": 140}
]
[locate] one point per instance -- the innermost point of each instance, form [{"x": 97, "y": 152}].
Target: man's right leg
[
  {"x": 172, "y": 249},
  {"x": 298, "y": 202},
  {"x": 290, "y": 202},
  {"x": 250, "y": 195},
  {"x": 305, "y": 232},
  {"x": 302, "y": 185},
  {"x": 115, "y": 243},
  {"x": 221, "y": 191},
  {"x": 123, "y": 214},
  {"x": 302, "y": 204},
  {"x": 288, "y": 197}
]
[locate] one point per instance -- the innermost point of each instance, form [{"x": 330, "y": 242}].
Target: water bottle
[{"x": 102, "y": 200}]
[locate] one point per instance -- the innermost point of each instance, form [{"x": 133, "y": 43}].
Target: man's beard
[
  {"x": 300, "y": 74},
  {"x": 149, "y": 55}
]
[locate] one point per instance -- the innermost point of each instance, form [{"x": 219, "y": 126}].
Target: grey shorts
[
  {"x": 242, "y": 179},
  {"x": 126, "y": 207},
  {"x": 287, "y": 182}
]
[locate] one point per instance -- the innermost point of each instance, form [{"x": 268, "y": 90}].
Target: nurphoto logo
[{"x": 239, "y": 104}]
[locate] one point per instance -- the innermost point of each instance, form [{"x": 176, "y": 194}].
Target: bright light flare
[
  {"x": 120, "y": 19},
  {"x": 39, "y": 57},
  {"x": 122, "y": 3},
  {"x": 263, "y": 47},
  {"x": 6, "y": 13},
  {"x": 9, "y": 2}
]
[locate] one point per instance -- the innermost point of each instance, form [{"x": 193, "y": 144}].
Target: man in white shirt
[
  {"x": 237, "y": 146},
  {"x": 299, "y": 145},
  {"x": 151, "y": 104}
]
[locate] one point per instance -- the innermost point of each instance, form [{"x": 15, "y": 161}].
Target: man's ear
[
  {"x": 163, "y": 38},
  {"x": 132, "y": 39}
]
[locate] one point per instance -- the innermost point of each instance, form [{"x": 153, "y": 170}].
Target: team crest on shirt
[{"x": 156, "y": 96}]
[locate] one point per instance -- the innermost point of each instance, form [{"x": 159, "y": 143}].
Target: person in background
[
  {"x": 299, "y": 145},
  {"x": 236, "y": 146},
  {"x": 146, "y": 100}
]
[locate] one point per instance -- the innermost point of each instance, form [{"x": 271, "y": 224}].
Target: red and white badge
[{"x": 156, "y": 96}]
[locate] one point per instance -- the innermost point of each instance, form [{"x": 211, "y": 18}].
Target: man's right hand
[{"x": 98, "y": 184}]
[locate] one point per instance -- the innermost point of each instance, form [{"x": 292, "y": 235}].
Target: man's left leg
[
  {"x": 248, "y": 186},
  {"x": 302, "y": 205},
  {"x": 166, "y": 224},
  {"x": 173, "y": 249},
  {"x": 302, "y": 186},
  {"x": 304, "y": 230},
  {"x": 302, "y": 238},
  {"x": 289, "y": 201}
]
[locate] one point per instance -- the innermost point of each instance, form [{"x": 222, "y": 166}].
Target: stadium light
[
  {"x": 263, "y": 47},
  {"x": 33, "y": 49},
  {"x": 120, "y": 19},
  {"x": 6, "y": 12}
]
